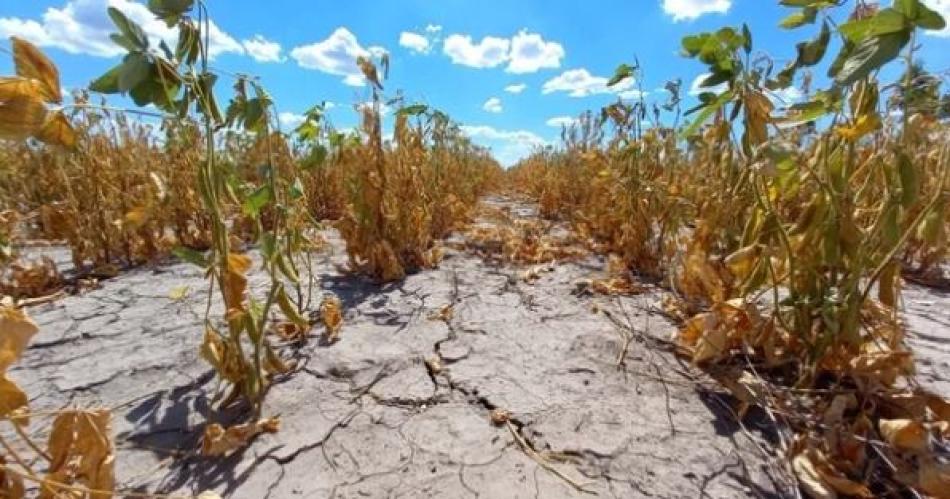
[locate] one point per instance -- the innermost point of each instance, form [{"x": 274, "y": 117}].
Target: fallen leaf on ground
[{"x": 219, "y": 441}]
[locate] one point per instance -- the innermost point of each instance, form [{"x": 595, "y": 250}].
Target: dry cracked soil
[{"x": 598, "y": 405}]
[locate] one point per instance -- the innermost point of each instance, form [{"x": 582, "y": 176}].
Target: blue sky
[{"x": 510, "y": 71}]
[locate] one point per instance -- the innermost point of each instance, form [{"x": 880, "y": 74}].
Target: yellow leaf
[
  {"x": 57, "y": 131},
  {"x": 31, "y": 63},
  {"x": 12, "y": 399},
  {"x": 331, "y": 311},
  {"x": 235, "y": 281},
  {"x": 178, "y": 293},
  {"x": 905, "y": 434},
  {"x": 864, "y": 125},
  {"x": 136, "y": 217},
  {"x": 16, "y": 329},
  {"x": 80, "y": 447},
  {"x": 21, "y": 114},
  {"x": 218, "y": 441}
]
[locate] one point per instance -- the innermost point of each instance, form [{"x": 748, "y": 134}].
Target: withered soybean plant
[{"x": 177, "y": 82}]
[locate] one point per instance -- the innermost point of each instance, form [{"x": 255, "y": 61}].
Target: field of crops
[{"x": 743, "y": 298}]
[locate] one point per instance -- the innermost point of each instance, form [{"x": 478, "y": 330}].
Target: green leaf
[
  {"x": 295, "y": 191},
  {"x": 136, "y": 68},
  {"x": 170, "y": 11},
  {"x": 622, "y": 72},
  {"x": 191, "y": 256},
  {"x": 800, "y": 18},
  {"x": 884, "y": 22},
  {"x": 257, "y": 200},
  {"x": 129, "y": 29},
  {"x": 811, "y": 52},
  {"x": 107, "y": 83},
  {"x": 707, "y": 113},
  {"x": 870, "y": 55},
  {"x": 910, "y": 181},
  {"x": 929, "y": 19},
  {"x": 413, "y": 110}
]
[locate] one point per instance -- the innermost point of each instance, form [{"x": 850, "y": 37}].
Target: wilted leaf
[
  {"x": 331, "y": 311},
  {"x": 235, "y": 280},
  {"x": 905, "y": 434},
  {"x": 57, "y": 131},
  {"x": 81, "y": 452},
  {"x": 31, "y": 63},
  {"x": 16, "y": 329},
  {"x": 12, "y": 399},
  {"x": 810, "y": 479},
  {"x": 218, "y": 441}
]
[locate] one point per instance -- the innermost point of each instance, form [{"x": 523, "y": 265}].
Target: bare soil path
[{"x": 598, "y": 406}]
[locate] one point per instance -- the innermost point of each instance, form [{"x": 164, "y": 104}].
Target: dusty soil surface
[{"x": 593, "y": 402}]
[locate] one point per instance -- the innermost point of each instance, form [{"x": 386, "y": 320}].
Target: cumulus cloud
[
  {"x": 580, "y": 83},
  {"x": 487, "y": 53},
  {"x": 529, "y": 53},
  {"x": 509, "y": 146},
  {"x": 433, "y": 28},
  {"x": 524, "y": 52},
  {"x": 560, "y": 121},
  {"x": 291, "y": 120},
  {"x": 687, "y": 10},
  {"x": 492, "y": 105},
  {"x": 414, "y": 42},
  {"x": 336, "y": 55},
  {"x": 516, "y": 88},
  {"x": 262, "y": 50},
  {"x": 83, "y": 27},
  {"x": 695, "y": 89}
]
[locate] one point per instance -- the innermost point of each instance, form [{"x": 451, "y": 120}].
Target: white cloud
[
  {"x": 632, "y": 94},
  {"x": 488, "y": 53},
  {"x": 687, "y": 10},
  {"x": 415, "y": 42},
  {"x": 695, "y": 89},
  {"x": 291, "y": 120},
  {"x": 262, "y": 49},
  {"x": 580, "y": 83},
  {"x": 492, "y": 105},
  {"x": 433, "y": 28},
  {"x": 524, "y": 52},
  {"x": 516, "y": 88},
  {"x": 529, "y": 53},
  {"x": 508, "y": 146},
  {"x": 84, "y": 26},
  {"x": 943, "y": 7},
  {"x": 786, "y": 96},
  {"x": 559, "y": 121},
  {"x": 336, "y": 55}
]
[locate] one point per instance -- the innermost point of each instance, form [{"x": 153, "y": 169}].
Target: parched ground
[{"x": 598, "y": 406}]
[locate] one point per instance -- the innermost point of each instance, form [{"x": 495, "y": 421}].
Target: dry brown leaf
[
  {"x": 905, "y": 434},
  {"x": 235, "y": 280},
  {"x": 933, "y": 477},
  {"x": 810, "y": 479},
  {"x": 32, "y": 63},
  {"x": 217, "y": 351},
  {"x": 57, "y": 130},
  {"x": 434, "y": 364},
  {"x": 445, "y": 313},
  {"x": 218, "y": 441},
  {"x": 11, "y": 485},
  {"x": 20, "y": 115},
  {"x": 331, "y": 311},
  {"x": 81, "y": 452},
  {"x": 16, "y": 329},
  {"x": 12, "y": 399}
]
